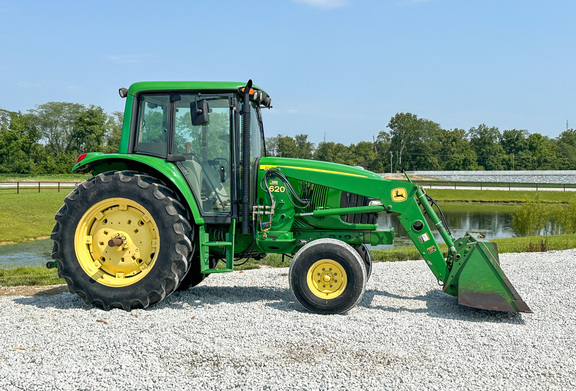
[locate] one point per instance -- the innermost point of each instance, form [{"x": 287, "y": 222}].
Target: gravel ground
[{"x": 245, "y": 331}]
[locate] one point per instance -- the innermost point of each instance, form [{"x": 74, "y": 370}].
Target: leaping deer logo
[{"x": 399, "y": 194}]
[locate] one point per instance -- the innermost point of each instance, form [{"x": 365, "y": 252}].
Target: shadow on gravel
[
  {"x": 200, "y": 296},
  {"x": 441, "y": 305},
  {"x": 62, "y": 301},
  {"x": 436, "y": 303}
]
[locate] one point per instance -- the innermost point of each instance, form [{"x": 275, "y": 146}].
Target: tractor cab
[{"x": 200, "y": 133}]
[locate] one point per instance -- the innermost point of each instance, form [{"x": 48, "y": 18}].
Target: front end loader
[{"x": 191, "y": 192}]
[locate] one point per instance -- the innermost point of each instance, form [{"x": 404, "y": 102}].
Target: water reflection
[
  {"x": 495, "y": 221},
  {"x": 35, "y": 253}
]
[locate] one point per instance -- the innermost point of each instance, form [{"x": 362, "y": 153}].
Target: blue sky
[{"x": 337, "y": 69}]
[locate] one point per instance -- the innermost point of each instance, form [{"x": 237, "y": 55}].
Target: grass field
[
  {"x": 501, "y": 196},
  {"x": 28, "y": 215}
]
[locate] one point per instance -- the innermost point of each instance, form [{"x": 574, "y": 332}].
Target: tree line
[
  {"x": 49, "y": 138},
  {"x": 413, "y": 143}
]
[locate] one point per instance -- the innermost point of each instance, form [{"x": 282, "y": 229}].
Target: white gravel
[{"x": 244, "y": 330}]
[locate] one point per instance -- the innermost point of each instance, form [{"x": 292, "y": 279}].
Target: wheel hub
[
  {"x": 117, "y": 242},
  {"x": 326, "y": 279}
]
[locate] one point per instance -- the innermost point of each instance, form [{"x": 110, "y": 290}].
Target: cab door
[{"x": 207, "y": 150}]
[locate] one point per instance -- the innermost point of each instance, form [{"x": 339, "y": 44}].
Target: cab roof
[{"x": 185, "y": 85}]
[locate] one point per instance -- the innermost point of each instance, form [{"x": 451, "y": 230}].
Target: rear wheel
[
  {"x": 120, "y": 241},
  {"x": 327, "y": 276},
  {"x": 194, "y": 276}
]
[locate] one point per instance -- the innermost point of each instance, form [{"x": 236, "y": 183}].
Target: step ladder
[{"x": 228, "y": 244}]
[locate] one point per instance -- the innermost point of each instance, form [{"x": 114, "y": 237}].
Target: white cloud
[{"x": 324, "y": 3}]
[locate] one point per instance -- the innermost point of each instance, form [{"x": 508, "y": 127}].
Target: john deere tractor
[{"x": 191, "y": 192}]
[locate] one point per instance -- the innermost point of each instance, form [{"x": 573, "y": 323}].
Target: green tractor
[{"x": 191, "y": 191}]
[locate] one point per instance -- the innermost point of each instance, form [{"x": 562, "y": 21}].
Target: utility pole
[{"x": 390, "y": 162}]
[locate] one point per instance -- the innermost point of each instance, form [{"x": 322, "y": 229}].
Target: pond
[
  {"x": 495, "y": 221},
  {"x": 35, "y": 253}
]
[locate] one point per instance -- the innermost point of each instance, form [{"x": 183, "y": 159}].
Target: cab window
[{"x": 153, "y": 119}]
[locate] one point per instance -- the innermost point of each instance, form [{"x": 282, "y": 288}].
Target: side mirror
[{"x": 199, "y": 112}]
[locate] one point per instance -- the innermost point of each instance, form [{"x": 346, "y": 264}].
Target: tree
[
  {"x": 404, "y": 135},
  {"x": 286, "y": 146},
  {"x": 113, "y": 132},
  {"x": 366, "y": 156},
  {"x": 304, "y": 148},
  {"x": 567, "y": 149},
  {"x": 56, "y": 123},
  {"x": 415, "y": 141},
  {"x": 456, "y": 151},
  {"x": 485, "y": 141},
  {"x": 88, "y": 131},
  {"x": 543, "y": 152},
  {"x": 330, "y": 151},
  {"x": 4, "y": 119},
  {"x": 19, "y": 149},
  {"x": 515, "y": 144}
]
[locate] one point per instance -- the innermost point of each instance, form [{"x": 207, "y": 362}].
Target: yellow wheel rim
[
  {"x": 327, "y": 279},
  {"x": 117, "y": 242}
]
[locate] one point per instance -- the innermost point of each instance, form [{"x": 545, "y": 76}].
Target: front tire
[
  {"x": 327, "y": 276},
  {"x": 366, "y": 257},
  {"x": 120, "y": 241}
]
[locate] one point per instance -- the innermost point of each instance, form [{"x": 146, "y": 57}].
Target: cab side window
[{"x": 153, "y": 117}]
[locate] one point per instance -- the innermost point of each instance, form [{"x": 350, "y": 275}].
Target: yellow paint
[
  {"x": 326, "y": 279},
  {"x": 127, "y": 263},
  {"x": 267, "y": 167},
  {"x": 399, "y": 194}
]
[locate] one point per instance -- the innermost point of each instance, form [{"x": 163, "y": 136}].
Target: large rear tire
[
  {"x": 120, "y": 241},
  {"x": 327, "y": 276}
]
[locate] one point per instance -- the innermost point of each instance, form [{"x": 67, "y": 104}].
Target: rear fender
[{"x": 97, "y": 162}]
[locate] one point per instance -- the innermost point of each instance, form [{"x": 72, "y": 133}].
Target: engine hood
[{"x": 267, "y": 163}]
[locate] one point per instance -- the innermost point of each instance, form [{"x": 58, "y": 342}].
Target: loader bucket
[{"x": 477, "y": 279}]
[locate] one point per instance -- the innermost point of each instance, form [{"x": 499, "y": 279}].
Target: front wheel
[
  {"x": 120, "y": 241},
  {"x": 327, "y": 276}
]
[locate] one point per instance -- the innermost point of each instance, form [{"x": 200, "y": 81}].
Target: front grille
[
  {"x": 348, "y": 200},
  {"x": 316, "y": 194}
]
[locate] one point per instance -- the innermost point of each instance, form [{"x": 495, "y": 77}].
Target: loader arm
[{"x": 471, "y": 270}]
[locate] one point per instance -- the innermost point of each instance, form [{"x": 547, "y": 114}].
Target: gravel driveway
[{"x": 244, "y": 330}]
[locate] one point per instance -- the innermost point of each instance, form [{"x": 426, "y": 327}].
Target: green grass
[
  {"x": 508, "y": 245},
  {"x": 28, "y": 215},
  {"x": 501, "y": 196},
  {"x": 29, "y": 276}
]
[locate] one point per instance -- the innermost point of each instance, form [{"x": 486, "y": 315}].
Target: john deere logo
[{"x": 399, "y": 194}]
